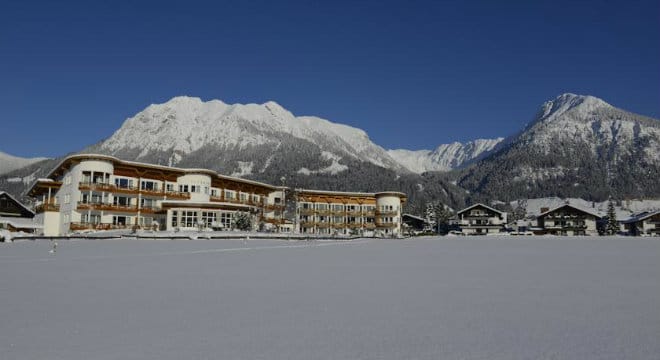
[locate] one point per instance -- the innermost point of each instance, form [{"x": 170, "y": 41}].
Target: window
[
  {"x": 183, "y": 188},
  {"x": 147, "y": 203},
  {"x": 91, "y": 219},
  {"x": 169, "y": 187},
  {"x": 230, "y": 195},
  {"x": 122, "y": 201},
  {"x": 175, "y": 221},
  {"x": 208, "y": 218},
  {"x": 67, "y": 198},
  {"x": 123, "y": 183},
  {"x": 243, "y": 197},
  {"x": 225, "y": 219},
  {"x": 149, "y": 185},
  {"x": 194, "y": 188},
  {"x": 189, "y": 218},
  {"x": 214, "y": 192},
  {"x": 120, "y": 220}
]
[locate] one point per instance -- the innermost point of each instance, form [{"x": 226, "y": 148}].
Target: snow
[
  {"x": 332, "y": 169},
  {"x": 186, "y": 124},
  {"x": 429, "y": 298},
  {"x": 624, "y": 211},
  {"x": 245, "y": 168},
  {"x": 9, "y": 163},
  {"x": 445, "y": 157}
]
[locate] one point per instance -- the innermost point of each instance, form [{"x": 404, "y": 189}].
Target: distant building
[
  {"x": 415, "y": 223},
  {"x": 480, "y": 219},
  {"x": 646, "y": 223},
  {"x": 14, "y": 216},
  {"x": 568, "y": 220}
]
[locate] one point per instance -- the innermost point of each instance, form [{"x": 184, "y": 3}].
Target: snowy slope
[
  {"x": 445, "y": 157},
  {"x": 184, "y": 125},
  {"x": 10, "y": 163},
  {"x": 576, "y": 146}
]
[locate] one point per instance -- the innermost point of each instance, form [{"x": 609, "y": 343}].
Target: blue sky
[{"x": 413, "y": 74}]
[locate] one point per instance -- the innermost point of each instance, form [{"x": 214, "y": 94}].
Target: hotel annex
[{"x": 99, "y": 192}]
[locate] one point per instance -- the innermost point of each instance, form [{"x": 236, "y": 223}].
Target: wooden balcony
[
  {"x": 387, "y": 212},
  {"x": 369, "y": 225},
  {"x": 106, "y": 207},
  {"x": 176, "y": 195},
  {"x": 323, "y": 224},
  {"x": 132, "y": 190},
  {"x": 48, "y": 206},
  {"x": 273, "y": 207},
  {"x": 306, "y": 211},
  {"x": 386, "y": 225}
]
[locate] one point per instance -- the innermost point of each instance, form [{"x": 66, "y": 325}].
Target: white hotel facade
[{"x": 100, "y": 192}]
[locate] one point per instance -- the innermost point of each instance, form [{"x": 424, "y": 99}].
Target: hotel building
[{"x": 100, "y": 192}]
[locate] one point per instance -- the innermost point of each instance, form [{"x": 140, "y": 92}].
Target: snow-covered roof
[
  {"x": 588, "y": 211},
  {"x": 20, "y": 223},
  {"x": 414, "y": 217},
  {"x": 641, "y": 217},
  {"x": 16, "y": 201},
  {"x": 479, "y": 204}
]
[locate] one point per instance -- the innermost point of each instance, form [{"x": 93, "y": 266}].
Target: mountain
[
  {"x": 576, "y": 146},
  {"x": 9, "y": 163},
  {"x": 245, "y": 138},
  {"x": 445, "y": 157}
]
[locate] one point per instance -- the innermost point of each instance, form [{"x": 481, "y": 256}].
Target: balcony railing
[
  {"x": 106, "y": 207},
  {"x": 386, "y": 225},
  {"x": 86, "y": 186},
  {"x": 387, "y": 212},
  {"x": 48, "y": 206}
]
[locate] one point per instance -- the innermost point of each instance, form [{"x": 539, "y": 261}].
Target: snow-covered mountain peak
[
  {"x": 446, "y": 156},
  {"x": 582, "y": 105},
  {"x": 10, "y": 163},
  {"x": 184, "y": 124}
]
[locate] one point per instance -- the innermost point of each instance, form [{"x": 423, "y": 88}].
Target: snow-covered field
[{"x": 433, "y": 298}]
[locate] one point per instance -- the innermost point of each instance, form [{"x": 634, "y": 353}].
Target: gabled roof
[
  {"x": 641, "y": 217},
  {"x": 479, "y": 204},
  {"x": 587, "y": 211},
  {"x": 414, "y": 217},
  {"x": 17, "y": 202}
]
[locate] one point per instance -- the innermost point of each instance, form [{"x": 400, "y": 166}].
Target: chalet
[
  {"x": 568, "y": 220},
  {"x": 646, "y": 223},
  {"x": 415, "y": 223},
  {"x": 14, "y": 216},
  {"x": 480, "y": 219}
]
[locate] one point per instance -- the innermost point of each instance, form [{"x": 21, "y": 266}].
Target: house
[
  {"x": 568, "y": 220},
  {"x": 15, "y": 216},
  {"x": 100, "y": 192},
  {"x": 646, "y": 223},
  {"x": 415, "y": 223},
  {"x": 480, "y": 219}
]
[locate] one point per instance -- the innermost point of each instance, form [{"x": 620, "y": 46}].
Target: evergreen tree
[
  {"x": 242, "y": 221},
  {"x": 612, "y": 224}
]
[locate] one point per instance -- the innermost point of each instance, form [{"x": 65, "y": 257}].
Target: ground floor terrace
[{"x": 426, "y": 298}]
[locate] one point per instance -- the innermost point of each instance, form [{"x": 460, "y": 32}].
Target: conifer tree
[{"x": 612, "y": 224}]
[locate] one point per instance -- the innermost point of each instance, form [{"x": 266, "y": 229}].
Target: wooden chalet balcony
[
  {"x": 369, "y": 225},
  {"x": 307, "y": 224},
  {"x": 106, "y": 207},
  {"x": 306, "y": 211},
  {"x": 324, "y": 212},
  {"x": 323, "y": 224},
  {"x": 149, "y": 209},
  {"x": 339, "y": 225},
  {"x": 387, "y": 212},
  {"x": 86, "y": 186},
  {"x": 353, "y": 225},
  {"x": 353, "y": 213},
  {"x": 369, "y": 213},
  {"x": 273, "y": 221},
  {"x": 48, "y": 206},
  {"x": 386, "y": 225},
  {"x": 176, "y": 195},
  {"x": 273, "y": 207}
]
